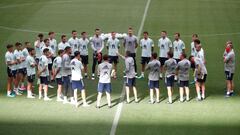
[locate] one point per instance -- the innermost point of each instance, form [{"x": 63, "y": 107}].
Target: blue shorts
[
  {"x": 11, "y": 73},
  {"x": 44, "y": 80},
  {"x": 23, "y": 71},
  {"x": 130, "y": 82},
  {"x": 145, "y": 60},
  {"x": 153, "y": 84},
  {"x": 169, "y": 81},
  {"x": 59, "y": 81},
  {"x": 183, "y": 83},
  {"x": 113, "y": 59},
  {"x": 104, "y": 87},
  {"x": 78, "y": 85}
]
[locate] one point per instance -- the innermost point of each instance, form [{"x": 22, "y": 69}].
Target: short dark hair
[
  {"x": 83, "y": 32},
  {"x": 105, "y": 57},
  {"x": 177, "y": 33},
  {"x": 73, "y": 31},
  {"x": 154, "y": 55},
  {"x": 63, "y": 36},
  {"x": 170, "y": 54},
  {"x": 30, "y": 49},
  {"x": 18, "y": 44},
  {"x": 50, "y": 33},
  {"x": 67, "y": 47},
  {"x": 145, "y": 32},
  {"x": 45, "y": 40},
  {"x": 195, "y": 35},
  {"x": 40, "y": 35},
  {"x": 97, "y": 29},
  {"x": 130, "y": 28},
  {"x": 197, "y": 41},
  {"x": 164, "y": 31},
  {"x": 26, "y": 43},
  {"x": 190, "y": 57},
  {"x": 9, "y": 46},
  {"x": 60, "y": 52},
  {"x": 76, "y": 53},
  {"x": 184, "y": 55},
  {"x": 45, "y": 50}
]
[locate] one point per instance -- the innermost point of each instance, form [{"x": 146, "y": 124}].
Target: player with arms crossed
[
  {"x": 154, "y": 67},
  {"x": 104, "y": 83},
  {"x": 229, "y": 67},
  {"x": 74, "y": 43},
  {"x": 57, "y": 73},
  {"x": 31, "y": 71},
  {"x": 97, "y": 45},
  {"x": 11, "y": 69},
  {"x": 43, "y": 73},
  {"x": 170, "y": 67},
  {"x": 77, "y": 82},
  {"x": 130, "y": 81},
  {"x": 130, "y": 44},
  {"x": 83, "y": 48},
  {"x": 201, "y": 75},
  {"x": 147, "y": 46},
  {"x": 53, "y": 44},
  {"x": 165, "y": 45},
  {"x": 113, "y": 44},
  {"x": 183, "y": 68}
]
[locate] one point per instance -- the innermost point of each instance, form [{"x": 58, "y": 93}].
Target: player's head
[
  {"x": 194, "y": 37},
  {"x": 64, "y": 38},
  {"x": 46, "y": 42},
  {"x": 77, "y": 55},
  {"x": 170, "y": 54},
  {"x": 183, "y": 56},
  {"x": 145, "y": 34},
  {"x": 10, "y": 47},
  {"x": 18, "y": 45},
  {"x": 74, "y": 33},
  {"x": 97, "y": 31},
  {"x": 128, "y": 53},
  {"x": 46, "y": 51},
  {"x": 27, "y": 44},
  {"x": 60, "y": 53},
  {"x": 51, "y": 34},
  {"x": 68, "y": 50},
  {"x": 191, "y": 59},
  {"x": 113, "y": 34},
  {"x": 154, "y": 55},
  {"x": 229, "y": 43},
  {"x": 197, "y": 44},
  {"x": 130, "y": 31},
  {"x": 31, "y": 51},
  {"x": 164, "y": 34},
  {"x": 40, "y": 37},
  {"x": 176, "y": 35},
  {"x": 84, "y": 34},
  {"x": 105, "y": 57}
]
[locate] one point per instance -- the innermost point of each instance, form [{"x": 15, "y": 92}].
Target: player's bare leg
[
  {"x": 99, "y": 99},
  {"x": 46, "y": 98},
  {"x": 157, "y": 95},
  {"x": 198, "y": 91},
  {"x": 109, "y": 99},
  {"x": 161, "y": 73},
  {"x": 135, "y": 94},
  {"x": 29, "y": 90},
  {"x": 143, "y": 69},
  {"x": 83, "y": 94},
  {"x": 59, "y": 93},
  {"x": 169, "y": 89},
  {"x": 127, "y": 94},
  {"x": 85, "y": 70},
  {"x": 40, "y": 87},
  {"x": 181, "y": 92},
  {"x": 187, "y": 91},
  {"x": 203, "y": 90},
  {"x": 151, "y": 96}
]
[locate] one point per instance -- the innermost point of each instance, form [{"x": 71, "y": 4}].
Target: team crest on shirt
[
  {"x": 75, "y": 45},
  {"x": 113, "y": 46},
  {"x": 145, "y": 46},
  {"x": 162, "y": 46},
  {"x": 129, "y": 43}
]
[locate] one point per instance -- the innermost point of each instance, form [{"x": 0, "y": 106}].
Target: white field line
[{"x": 120, "y": 105}]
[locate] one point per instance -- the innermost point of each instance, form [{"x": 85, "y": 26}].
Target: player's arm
[
  {"x": 183, "y": 48},
  {"x": 124, "y": 42},
  {"x": 120, "y": 55},
  {"x": 152, "y": 48},
  {"x": 136, "y": 43},
  {"x": 107, "y": 45},
  {"x": 170, "y": 46},
  {"x": 37, "y": 43}
]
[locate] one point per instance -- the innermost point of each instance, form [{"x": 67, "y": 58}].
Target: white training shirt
[
  {"x": 38, "y": 49},
  {"x": 9, "y": 57},
  {"x": 83, "y": 46},
  {"x": 74, "y": 44},
  {"x": 18, "y": 56},
  {"x": 76, "y": 69},
  {"x": 43, "y": 62},
  {"x": 178, "y": 47},
  {"x": 164, "y": 44},
  {"x": 113, "y": 45},
  {"x": 62, "y": 46},
  {"x": 50, "y": 50},
  {"x": 25, "y": 54},
  {"x": 146, "y": 45},
  {"x": 105, "y": 69},
  {"x": 200, "y": 54},
  {"x": 193, "y": 49},
  {"x": 30, "y": 61},
  {"x": 57, "y": 64},
  {"x": 53, "y": 45}
]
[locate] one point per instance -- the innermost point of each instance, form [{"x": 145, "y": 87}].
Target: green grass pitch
[{"x": 216, "y": 21}]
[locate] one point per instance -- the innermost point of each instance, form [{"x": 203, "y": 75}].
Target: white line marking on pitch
[{"x": 120, "y": 105}]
